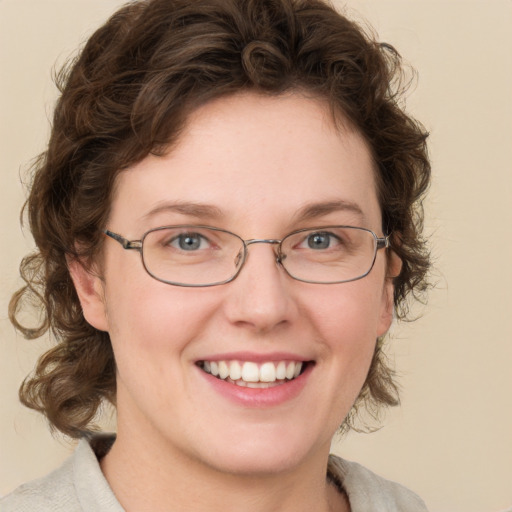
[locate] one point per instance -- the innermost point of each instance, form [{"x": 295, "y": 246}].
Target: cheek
[
  {"x": 155, "y": 315},
  {"x": 150, "y": 323},
  {"x": 347, "y": 321},
  {"x": 352, "y": 308},
  {"x": 152, "y": 330}
]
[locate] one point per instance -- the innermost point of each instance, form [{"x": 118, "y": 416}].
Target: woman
[{"x": 255, "y": 156}]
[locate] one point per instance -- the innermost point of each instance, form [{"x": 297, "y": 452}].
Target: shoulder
[
  {"x": 367, "y": 491},
  {"x": 53, "y": 493},
  {"x": 77, "y": 486}
]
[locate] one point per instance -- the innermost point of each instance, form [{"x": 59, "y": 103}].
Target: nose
[{"x": 260, "y": 298}]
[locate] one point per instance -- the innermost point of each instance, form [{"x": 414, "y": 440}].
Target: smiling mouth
[{"x": 253, "y": 375}]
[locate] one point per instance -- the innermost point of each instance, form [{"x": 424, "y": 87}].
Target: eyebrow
[
  {"x": 199, "y": 210},
  {"x": 208, "y": 211},
  {"x": 311, "y": 211}
]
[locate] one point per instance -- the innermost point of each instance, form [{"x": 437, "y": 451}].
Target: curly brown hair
[{"x": 129, "y": 93}]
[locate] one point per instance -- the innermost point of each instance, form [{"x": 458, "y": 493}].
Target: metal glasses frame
[{"x": 138, "y": 245}]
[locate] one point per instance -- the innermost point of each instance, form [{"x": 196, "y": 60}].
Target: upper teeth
[{"x": 249, "y": 371}]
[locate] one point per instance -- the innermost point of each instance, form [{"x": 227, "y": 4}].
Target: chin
[
  {"x": 260, "y": 464},
  {"x": 261, "y": 452}
]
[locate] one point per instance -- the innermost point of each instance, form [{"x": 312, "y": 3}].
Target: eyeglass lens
[{"x": 202, "y": 256}]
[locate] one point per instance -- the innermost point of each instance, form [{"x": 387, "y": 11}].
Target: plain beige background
[{"x": 451, "y": 441}]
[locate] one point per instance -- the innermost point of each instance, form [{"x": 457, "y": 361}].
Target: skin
[{"x": 258, "y": 161}]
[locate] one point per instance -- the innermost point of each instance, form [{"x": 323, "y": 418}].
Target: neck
[{"x": 146, "y": 477}]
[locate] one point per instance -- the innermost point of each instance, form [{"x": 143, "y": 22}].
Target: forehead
[{"x": 253, "y": 158}]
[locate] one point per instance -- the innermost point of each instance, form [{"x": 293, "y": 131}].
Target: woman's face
[{"x": 260, "y": 167}]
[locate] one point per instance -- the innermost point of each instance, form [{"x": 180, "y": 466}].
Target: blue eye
[
  {"x": 189, "y": 242},
  {"x": 320, "y": 240}
]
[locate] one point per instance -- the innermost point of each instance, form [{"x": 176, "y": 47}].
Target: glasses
[{"x": 189, "y": 255}]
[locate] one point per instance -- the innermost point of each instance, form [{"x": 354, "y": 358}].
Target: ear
[
  {"x": 90, "y": 289},
  {"x": 394, "y": 266}
]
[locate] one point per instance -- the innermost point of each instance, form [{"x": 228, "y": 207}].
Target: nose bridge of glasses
[{"x": 271, "y": 241}]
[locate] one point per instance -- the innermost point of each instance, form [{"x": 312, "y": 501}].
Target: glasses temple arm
[
  {"x": 127, "y": 244},
  {"x": 383, "y": 243}
]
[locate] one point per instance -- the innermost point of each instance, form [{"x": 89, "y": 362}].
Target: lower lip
[{"x": 259, "y": 397}]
